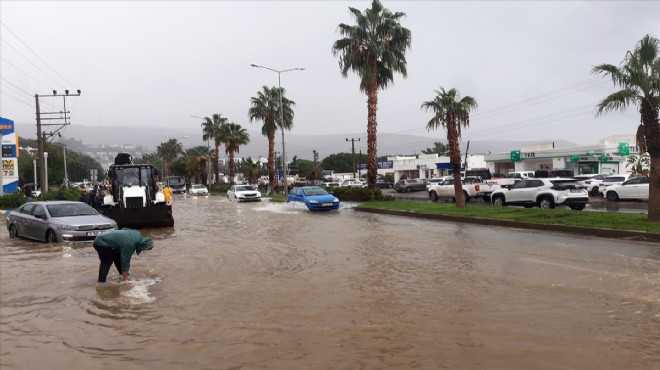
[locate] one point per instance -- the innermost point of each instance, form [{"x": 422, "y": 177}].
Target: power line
[
  {"x": 25, "y": 73},
  {"x": 525, "y": 103},
  {"x": 9, "y": 82},
  {"x": 29, "y": 61},
  {"x": 35, "y": 54},
  {"x": 19, "y": 100}
]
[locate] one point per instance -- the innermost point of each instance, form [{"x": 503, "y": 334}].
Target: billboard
[{"x": 9, "y": 156}]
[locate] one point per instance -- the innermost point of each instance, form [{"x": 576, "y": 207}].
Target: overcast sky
[{"x": 152, "y": 63}]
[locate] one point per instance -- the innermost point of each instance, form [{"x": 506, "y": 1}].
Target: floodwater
[{"x": 273, "y": 286}]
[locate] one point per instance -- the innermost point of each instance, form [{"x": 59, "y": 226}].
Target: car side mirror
[{"x": 43, "y": 217}]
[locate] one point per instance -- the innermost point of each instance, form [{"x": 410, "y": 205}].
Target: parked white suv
[{"x": 543, "y": 193}]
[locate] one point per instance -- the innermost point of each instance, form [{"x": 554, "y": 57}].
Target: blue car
[{"x": 315, "y": 197}]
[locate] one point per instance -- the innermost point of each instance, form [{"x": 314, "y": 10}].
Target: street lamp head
[{"x": 255, "y": 65}]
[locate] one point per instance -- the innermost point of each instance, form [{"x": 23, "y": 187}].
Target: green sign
[
  {"x": 624, "y": 149},
  {"x": 591, "y": 154},
  {"x": 515, "y": 156},
  {"x": 603, "y": 158},
  {"x": 575, "y": 159}
]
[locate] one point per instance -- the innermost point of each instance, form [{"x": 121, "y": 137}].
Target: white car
[
  {"x": 435, "y": 181},
  {"x": 354, "y": 183},
  {"x": 543, "y": 193},
  {"x": 593, "y": 182},
  {"x": 198, "y": 189},
  {"x": 244, "y": 193},
  {"x": 635, "y": 188},
  {"x": 615, "y": 180}
]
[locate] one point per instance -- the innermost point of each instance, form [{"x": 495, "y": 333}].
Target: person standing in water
[{"x": 118, "y": 246}]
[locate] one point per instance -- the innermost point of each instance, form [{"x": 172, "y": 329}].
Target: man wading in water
[{"x": 118, "y": 246}]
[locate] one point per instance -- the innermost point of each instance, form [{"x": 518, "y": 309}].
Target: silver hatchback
[{"x": 58, "y": 221}]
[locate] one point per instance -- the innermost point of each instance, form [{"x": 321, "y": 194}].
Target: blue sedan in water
[{"x": 315, "y": 197}]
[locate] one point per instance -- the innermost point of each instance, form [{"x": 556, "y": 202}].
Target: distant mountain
[{"x": 147, "y": 139}]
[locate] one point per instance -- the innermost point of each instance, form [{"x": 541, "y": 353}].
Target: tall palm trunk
[
  {"x": 232, "y": 166},
  {"x": 216, "y": 168},
  {"x": 652, "y": 136},
  {"x": 455, "y": 159},
  {"x": 271, "y": 161},
  {"x": 372, "y": 137}
]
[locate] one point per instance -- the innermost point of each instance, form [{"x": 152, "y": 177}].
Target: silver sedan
[{"x": 57, "y": 221}]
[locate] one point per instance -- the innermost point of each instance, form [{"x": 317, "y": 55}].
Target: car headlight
[
  {"x": 314, "y": 201},
  {"x": 66, "y": 227},
  {"x": 335, "y": 201}
]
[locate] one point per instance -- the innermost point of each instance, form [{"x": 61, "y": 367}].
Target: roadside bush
[
  {"x": 356, "y": 194},
  {"x": 68, "y": 193},
  {"x": 11, "y": 200}
]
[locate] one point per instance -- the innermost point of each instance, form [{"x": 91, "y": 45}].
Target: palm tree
[
  {"x": 451, "y": 112},
  {"x": 639, "y": 80},
  {"x": 169, "y": 151},
  {"x": 265, "y": 107},
  {"x": 234, "y": 136},
  {"x": 375, "y": 49},
  {"x": 251, "y": 169},
  {"x": 212, "y": 130}
]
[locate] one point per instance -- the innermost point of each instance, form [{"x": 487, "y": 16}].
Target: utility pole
[
  {"x": 353, "y": 150},
  {"x": 41, "y": 136}
]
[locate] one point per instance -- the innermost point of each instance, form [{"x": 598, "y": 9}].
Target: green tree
[
  {"x": 639, "y": 80},
  {"x": 450, "y": 111},
  {"x": 265, "y": 107},
  {"x": 234, "y": 136},
  {"x": 339, "y": 162},
  {"x": 439, "y": 148},
  {"x": 375, "y": 49},
  {"x": 212, "y": 130},
  {"x": 250, "y": 169},
  {"x": 169, "y": 151}
]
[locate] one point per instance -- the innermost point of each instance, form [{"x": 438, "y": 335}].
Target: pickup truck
[{"x": 473, "y": 187}]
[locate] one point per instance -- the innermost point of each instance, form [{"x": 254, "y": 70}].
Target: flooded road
[{"x": 273, "y": 286}]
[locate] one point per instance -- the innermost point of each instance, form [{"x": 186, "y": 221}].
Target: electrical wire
[
  {"x": 35, "y": 54},
  {"x": 29, "y": 61}
]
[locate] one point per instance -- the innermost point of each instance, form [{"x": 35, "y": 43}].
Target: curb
[{"x": 579, "y": 230}]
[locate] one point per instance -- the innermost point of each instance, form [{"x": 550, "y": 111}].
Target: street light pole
[{"x": 279, "y": 86}]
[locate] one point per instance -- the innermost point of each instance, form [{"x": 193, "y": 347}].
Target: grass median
[{"x": 598, "y": 220}]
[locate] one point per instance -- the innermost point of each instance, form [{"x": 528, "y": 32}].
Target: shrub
[
  {"x": 356, "y": 194},
  {"x": 11, "y": 200}
]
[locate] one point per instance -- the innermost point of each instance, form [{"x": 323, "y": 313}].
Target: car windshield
[
  {"x": 198, "y": 186},
  {"x": 315, "y": 191},
  {"x": 613, "y": 179},
  {"x": 244, "y": 188},
  {"x": 70, "y": 209}
]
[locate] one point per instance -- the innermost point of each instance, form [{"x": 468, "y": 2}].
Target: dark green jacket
[{"x": 127, "y": 241}]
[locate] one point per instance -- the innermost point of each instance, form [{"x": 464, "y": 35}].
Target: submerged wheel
[
  {"x": 13, "y": 232},
  {"x": 577, "y": 207},
  {"x": 594, "y": 190},
  {"x": 546, "y": 203},
  {"x": 612, "y": 196},
  {"x": 408, "y": 189},
  {"x": 51, "y": 237},
  {"x": 433, "y": 196},
  {"x": 498, "y": 201}
]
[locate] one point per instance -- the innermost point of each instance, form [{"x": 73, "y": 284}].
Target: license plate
[{"x": 326, "y": 204}]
